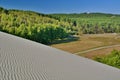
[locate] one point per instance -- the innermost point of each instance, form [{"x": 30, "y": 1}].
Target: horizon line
[{"x": 88, "y": 12}]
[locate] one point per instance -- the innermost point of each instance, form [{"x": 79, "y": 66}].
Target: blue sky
[{"x": 64, "y": 6}]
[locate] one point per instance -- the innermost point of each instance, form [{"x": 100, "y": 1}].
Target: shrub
[{"x": 112, "y": 59}]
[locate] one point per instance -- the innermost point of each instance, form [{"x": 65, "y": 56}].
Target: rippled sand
[{"x": 21, "y": 59}]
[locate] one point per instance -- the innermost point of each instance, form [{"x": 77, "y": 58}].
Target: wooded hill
[
  {"x": 45, "y": 28},
  {"x": 32, "y": 25},
  {"x": 92, "y": 23}
]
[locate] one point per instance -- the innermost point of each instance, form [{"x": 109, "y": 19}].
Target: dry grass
[
  {"x": 88, "y": 41},
  {"x": 101, "y": 52}
]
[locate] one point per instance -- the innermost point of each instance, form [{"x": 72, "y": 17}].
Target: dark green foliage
[{"x": 112, "y": 59}]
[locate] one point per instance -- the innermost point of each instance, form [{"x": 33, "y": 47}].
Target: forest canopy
[
  {"x": 91, "y": 23},
  {"x": 32, "y": 25}
]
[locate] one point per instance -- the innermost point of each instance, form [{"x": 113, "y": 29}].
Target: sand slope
[{"x": 21, "y": 59}]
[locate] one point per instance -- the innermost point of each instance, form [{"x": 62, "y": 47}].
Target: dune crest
[{"x": 22, "y": 59}]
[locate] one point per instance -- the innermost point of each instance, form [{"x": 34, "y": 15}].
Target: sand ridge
[{"x": 22, "y": 59}]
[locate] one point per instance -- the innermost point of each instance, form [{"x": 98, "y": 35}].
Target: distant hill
[
  {"x": 83, "y": 15},
  {"x": 92, "y": 23}
]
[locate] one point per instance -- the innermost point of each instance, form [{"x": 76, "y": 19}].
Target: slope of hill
[{"x": 29, "y": 60}]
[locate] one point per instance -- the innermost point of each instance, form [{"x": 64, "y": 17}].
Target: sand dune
[{"x": 21, "y": 59}]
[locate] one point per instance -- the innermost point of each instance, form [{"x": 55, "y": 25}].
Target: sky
[{"x": 64, "y": 6}]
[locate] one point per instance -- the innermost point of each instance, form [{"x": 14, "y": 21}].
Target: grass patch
[{"x": 88, "y": 41}]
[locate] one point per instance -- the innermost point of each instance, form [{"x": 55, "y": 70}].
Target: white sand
[{"x": 21, "y": 59}]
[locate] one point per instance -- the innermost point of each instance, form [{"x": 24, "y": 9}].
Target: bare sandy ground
[{"x": 21, "y": 59}]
